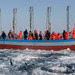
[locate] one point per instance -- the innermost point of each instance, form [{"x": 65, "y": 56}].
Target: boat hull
[
  {"x": 48, "y": 48},
  {"x": 37, "y": 44}
]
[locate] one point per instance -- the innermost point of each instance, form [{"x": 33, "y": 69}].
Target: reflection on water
[{"x": 32, "y": 62}]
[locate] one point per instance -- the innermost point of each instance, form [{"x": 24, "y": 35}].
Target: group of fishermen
[{"x": 36, "y": 36}]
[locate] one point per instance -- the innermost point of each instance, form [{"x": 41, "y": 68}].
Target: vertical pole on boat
[
  {"x": 49, "y": 18},
  {"x": 31, "y": 18},
  {"x": 68, "y": 25},
  {"x": 0, "y": 22},
  {"x": 14, "y": 21}
]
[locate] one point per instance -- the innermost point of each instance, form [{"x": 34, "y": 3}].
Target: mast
[
  {"x": 0, "y": 22},
  {"x": 49, "y": 18},
  {"x": 68, "y": 25},
  {"x": 14, "y": 20},
  {"x": 31, "y": 18}
]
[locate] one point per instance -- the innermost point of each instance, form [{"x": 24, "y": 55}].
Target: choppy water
[{"x": 29, "y": 62}]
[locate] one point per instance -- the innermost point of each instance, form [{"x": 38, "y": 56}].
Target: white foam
[
  {"x": 2, "y": 65},
  {"x": 59, "y": 69},
  {"x": 67, "y": 59},
  {"x": 19, "y": 57}
]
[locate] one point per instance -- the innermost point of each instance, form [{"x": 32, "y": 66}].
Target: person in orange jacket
[
  {"x": 67, "y": 36},
  {"x": 30, "y": 36},
  {"x": 10, "y": 36},
  {"x": 73, "y": 37},
  {"x": 35, "y": 35},
  {"x": 45, "y": 34},
  {"x": 59, "y": 36},
  {"x": 53, "y": 36},
  {"x": 20, "y": 35}
]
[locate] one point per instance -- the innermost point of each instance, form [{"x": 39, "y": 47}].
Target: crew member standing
[
  {"x": 47, "y": 35},
  {"x": 73, "y": 37},
  {"x": 59, "y": 36},
  {"x": 3, "y": 35},
  {"x": 53, "y": 36},
  {"x": 20, "y": 35},
  {"x": 64, "y": 34},
  {"x": 25, "y": 34},
  {"x": 67, "y": 35},
  {"x": 35, "y": 35},
  {"x": 30, "y": 36},
  {"x": 40, "y": 36}
]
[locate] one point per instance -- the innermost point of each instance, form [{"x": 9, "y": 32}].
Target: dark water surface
[{"x": 30, "y": 62}]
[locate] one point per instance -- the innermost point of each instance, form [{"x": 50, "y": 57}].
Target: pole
[
  {"x": 14, "y": 21},
  {"x": 68, "y": 25},
  {"x": 31, "y": 19},
  {"x": 0, "y": 22},
  {"x": 49, "y": 18}
]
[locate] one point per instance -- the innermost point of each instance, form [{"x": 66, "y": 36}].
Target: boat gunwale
[{"x": 17, "y": 40}]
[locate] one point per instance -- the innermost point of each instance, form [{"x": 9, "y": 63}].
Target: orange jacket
[
  {"x": 20, "y": 35},
  {"x": 30, "y": 37},
  {"x": 53, "y": 37},
  {"x": 54, "y": 33},
  {"x": 67, "y": 35},
  {"x": 10, "y": 38},
  {"x": 36, "y": 31},
  {"x": 59, "y": 36},
  {"x": 45, "y": 34},
  {"x": 73, "y": 37}
]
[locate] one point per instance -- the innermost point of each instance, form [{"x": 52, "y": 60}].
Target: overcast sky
[{"x": 58, "y": 15}]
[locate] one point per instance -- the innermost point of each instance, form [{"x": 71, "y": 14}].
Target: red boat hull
[{"x": 48, "y": 48}]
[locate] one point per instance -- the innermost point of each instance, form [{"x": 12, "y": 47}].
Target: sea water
[{"x": 37, "y": 62}]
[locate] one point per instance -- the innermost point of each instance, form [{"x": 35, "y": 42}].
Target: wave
[{"x": 37, "y": 62}]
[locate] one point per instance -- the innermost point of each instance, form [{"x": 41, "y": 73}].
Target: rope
[{"x": 72, "y": 19}]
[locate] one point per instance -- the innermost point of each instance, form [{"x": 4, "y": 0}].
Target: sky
[{"x": 58, "y": 14}]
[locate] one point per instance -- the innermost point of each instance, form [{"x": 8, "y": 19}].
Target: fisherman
[
  {"x": 47, "y": 35},
  {"x": 67, "y": 35},
  {"x": 20, "y": 35},
  {"x": 59, "y": 36},
  {"x": 35, "y": 35},
  {"x": 3, "y": 35},
  {"x": 25, "y": 34},
  {"x": 64, "y": 34},
  {"x": 31, "y": 33},
  {"x": 10, "y": 34},
  {"x": 16, "y": 36},
  {"x": 53, "y": 36},
  {"x": 40, "y": 36},
  {"x": 30, "y": 36},
  {"x": 73, "y": 37}
]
